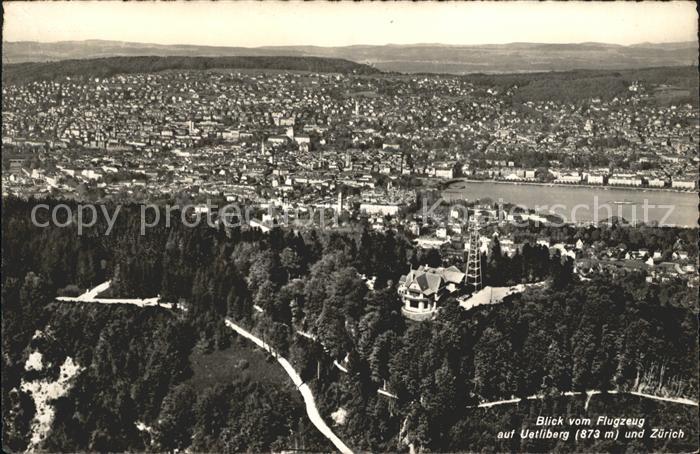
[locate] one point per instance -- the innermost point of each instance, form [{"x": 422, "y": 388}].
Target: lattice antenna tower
[{"x": 473, "y": 274}]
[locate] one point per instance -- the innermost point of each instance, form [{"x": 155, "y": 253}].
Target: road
[
  {"x": 311, "y": 409},
  {"x": 515, "y": 400},
  {"x": 92, "y": 294},
  {"x": 91, "y": 297},
  {"x": 303, "y": 388}
]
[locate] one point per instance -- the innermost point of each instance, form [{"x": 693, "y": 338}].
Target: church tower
[{"x": 339, "y": 206}]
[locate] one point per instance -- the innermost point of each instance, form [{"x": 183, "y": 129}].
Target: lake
[{"x": 579, "y": 204}]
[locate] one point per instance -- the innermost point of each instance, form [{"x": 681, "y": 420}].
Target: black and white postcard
[{"x": 396, "y": 227}]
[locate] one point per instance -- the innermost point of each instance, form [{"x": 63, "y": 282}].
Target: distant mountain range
[{"x": 411, "y": 58}]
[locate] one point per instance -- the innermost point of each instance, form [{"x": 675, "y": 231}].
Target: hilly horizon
[{"x": 406, "y": 58}]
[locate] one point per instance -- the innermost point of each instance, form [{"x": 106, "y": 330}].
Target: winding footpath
[
  {"x": 90, "y": 296},
  {"x": 310, "y": 403},
  {"x": 303, "y": 388},
  {"x": 515, "y": 400}
]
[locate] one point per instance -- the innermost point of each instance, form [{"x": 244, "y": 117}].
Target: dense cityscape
[
  {"x": 239, "y": 134},
  {"x": 368, "y": 146}
]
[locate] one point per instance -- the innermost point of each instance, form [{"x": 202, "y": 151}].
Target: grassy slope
[{"x": 236, "y": 363}]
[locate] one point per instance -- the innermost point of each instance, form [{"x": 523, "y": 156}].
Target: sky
[{"x": 252, "y": 24}]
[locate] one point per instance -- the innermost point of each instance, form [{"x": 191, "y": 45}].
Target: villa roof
[
  {"x": 429, "y": 283},
  {"x": 432, "y": 280},
  {"x": 453, "y": 275}
]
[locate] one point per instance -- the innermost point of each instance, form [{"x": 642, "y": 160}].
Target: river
[{"x": 579, "y": 204}]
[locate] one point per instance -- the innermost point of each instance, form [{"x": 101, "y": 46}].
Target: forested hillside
[
  {"x": 573, "y": 86},
  {"x": 106, "y": 67},
  {"x": 137, "y": 364},
  {"x": 598, "y": 335}
]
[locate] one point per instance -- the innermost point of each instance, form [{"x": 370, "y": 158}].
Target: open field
[{"x": 236, "y": 363}]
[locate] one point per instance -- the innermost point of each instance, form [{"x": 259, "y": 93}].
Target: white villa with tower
[{"x": 422, "y": 289}]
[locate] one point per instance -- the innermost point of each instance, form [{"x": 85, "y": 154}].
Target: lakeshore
[
  {"x": 585, "y": 204},
  {"x": 450, "y": 185}
]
